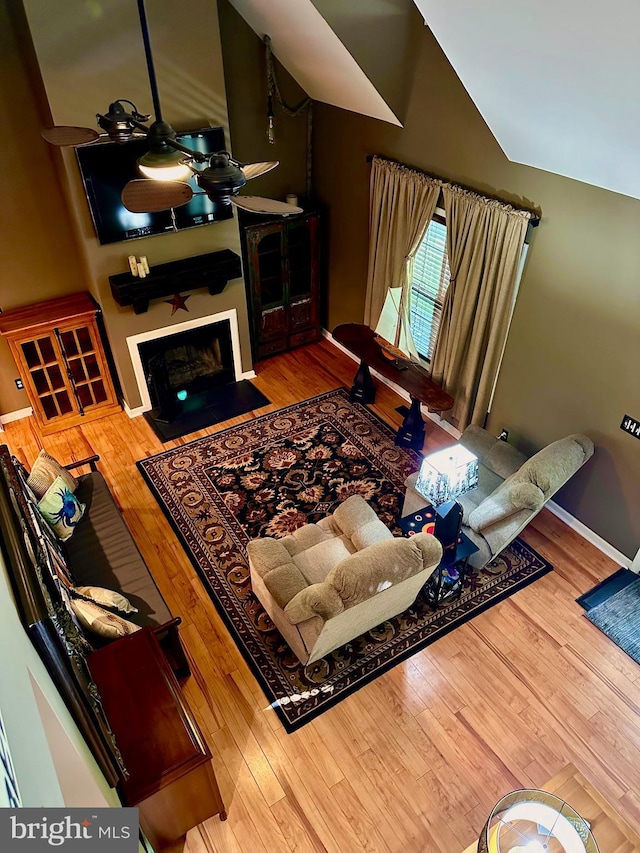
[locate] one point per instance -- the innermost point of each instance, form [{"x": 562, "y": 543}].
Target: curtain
[
  {"x": 402, "y": 203},
  {"x": 484, "y": 243}
]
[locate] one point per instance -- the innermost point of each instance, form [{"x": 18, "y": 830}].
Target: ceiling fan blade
[
  {"x": 62, "y": 136},
  {"x": 254, "y": 170},
  {"x": 143, "y": 196},
  {"x": 255, "y": 204}
]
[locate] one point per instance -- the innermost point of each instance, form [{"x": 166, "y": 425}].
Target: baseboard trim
[
  {"x": 588, "y": 534},
  {"x": 16, "y": 416},
  {"x": 570, "y": 520},
  {"x": 136, "y": 411}
]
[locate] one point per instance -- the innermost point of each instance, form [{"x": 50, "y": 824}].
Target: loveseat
[
  {"x": 511, "y": 490},
  {"x": 330, "y": 582},
  {"x": 43, "y": 573}
]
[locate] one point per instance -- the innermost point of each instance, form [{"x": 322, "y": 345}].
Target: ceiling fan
[{"x": 168, "y": 162}]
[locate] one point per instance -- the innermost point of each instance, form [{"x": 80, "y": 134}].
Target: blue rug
[
  {"x": 619, "y": 618},
  {"x": 606, "y": 588}
]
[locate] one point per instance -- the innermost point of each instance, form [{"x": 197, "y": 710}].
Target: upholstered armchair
[
  {"x": 511, "y": 489},
  {"x": 330, "y": 582}
]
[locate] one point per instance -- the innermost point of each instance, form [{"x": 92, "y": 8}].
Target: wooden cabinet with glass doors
[
  {"x": 282, "y": 275},
  {"x": 58, "y": 352}
]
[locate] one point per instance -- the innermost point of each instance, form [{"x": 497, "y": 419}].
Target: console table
[
  {"x": 171, "y": 778},
  {"x": 360, "y": 340}
]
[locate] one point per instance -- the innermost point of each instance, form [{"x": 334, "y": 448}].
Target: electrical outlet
[
  {"x": 631, "y": 425},
  {"x": 19, "y": 384},
  {"x": 504, "y": 434}
]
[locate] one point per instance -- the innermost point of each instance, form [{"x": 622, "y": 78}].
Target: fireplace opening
[{"x": 191, "y": 378}]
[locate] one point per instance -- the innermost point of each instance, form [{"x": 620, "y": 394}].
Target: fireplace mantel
[{"x": 212, "y": 271}]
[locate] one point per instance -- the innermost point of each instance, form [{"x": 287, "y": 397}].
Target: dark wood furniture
[
  {"x": 282, "y": 278},
  {"x": 57, "y": 349},
  {"x": 359, "y": 340},
  {"x": 171, "y": 778},
  {"x": 212, "y": 271},
  {"x": 448, "y": 578}
]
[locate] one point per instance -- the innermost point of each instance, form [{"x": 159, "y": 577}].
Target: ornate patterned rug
[{"x": 272, "y": 474}]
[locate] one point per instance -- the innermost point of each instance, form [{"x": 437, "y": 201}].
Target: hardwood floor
[{"x": 415, "y": 760}]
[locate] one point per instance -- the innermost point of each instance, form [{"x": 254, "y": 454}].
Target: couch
[
  {"x": 511, "y": 490},
  {"x": 100, "y": 553},
  {"x": 330, "y": 582}
]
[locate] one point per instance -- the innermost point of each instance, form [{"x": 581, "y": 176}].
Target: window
[{"x": 429, "y": 286}]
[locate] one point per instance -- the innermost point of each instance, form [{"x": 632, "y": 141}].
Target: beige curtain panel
[
  {"x": 402, "y": 203},
  {"x": 484, "y": 244}
]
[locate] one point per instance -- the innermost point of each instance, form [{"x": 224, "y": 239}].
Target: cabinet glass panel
[
  {"x": 99, "y": 391},
  {"x": 64, "y": 403},
  {"x": 92, "y": 367},
  {"x": 299, "y": 281},
  {"x": 76, "y": 366},
  {"x": 49, "y": 408},
  {"x": 69, "y": 343},
  {"x": 84, "y": 339},
  {"x": 269, "y": 265},
  {"x": 40, "y": 382},
  {"x": 31, "y": 353},
  {"x": 46, "y": 350},
  {"x": 84, "y": 395},
  {"x": 56, "y": 380}
]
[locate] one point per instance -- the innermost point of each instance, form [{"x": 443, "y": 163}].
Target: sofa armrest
[
  {"x": 507, "y": 500},
  {"x": 318, "y": 599},
  {"x": 90, "y": 461}
]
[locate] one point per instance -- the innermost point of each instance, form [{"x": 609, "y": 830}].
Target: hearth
[
  {"x": 191, "y": 376},
  {"x": 180, "y": 366}
]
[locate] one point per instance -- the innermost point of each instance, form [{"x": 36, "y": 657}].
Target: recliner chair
[
  {"x": 330, "y": 582},
  {"x": 511, "y": 489}
]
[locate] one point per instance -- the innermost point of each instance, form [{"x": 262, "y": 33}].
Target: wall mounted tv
[{"x": 107, "y": 166}]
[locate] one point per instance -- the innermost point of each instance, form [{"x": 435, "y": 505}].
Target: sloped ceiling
[
  {"x": 557, "y": 83},
  {"x": 313, "y": 54}
]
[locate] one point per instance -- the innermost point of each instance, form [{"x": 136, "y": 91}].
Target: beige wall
[
  {"x": 91, "y": 54},
  {"x": 572, "y": 355},
  {"x": 37, "y": 247}
]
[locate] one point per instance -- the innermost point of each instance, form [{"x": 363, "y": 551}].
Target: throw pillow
[
  {"x": 106, "y": 598},
  {"x": 45, "y": 470},
  {"x": 100, "y": 621},
  {"x": 61, "y": 509}
]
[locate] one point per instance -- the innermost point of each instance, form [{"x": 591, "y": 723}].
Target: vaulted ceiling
[{"x": 557, "y": 84}]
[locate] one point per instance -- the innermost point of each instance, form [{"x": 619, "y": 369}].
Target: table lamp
[
  {"x": 531, "y": 821},
  {"x": 447, "y": 474},
  {"x": 443, "y": 477}
]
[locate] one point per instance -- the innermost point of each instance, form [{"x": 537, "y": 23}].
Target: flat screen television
[{"x": 106, "y": 167}]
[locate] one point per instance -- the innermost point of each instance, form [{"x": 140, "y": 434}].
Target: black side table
[{"x": 448, "y": 579}]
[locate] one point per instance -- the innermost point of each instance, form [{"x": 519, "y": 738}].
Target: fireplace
[
  {"x": 189, "y": 375},
  {"x": 184, "y": 365}
]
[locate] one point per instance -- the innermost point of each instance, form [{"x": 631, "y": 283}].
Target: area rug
[
  {"x": 619, "y": 618},
  {"x": 269, "y": 476}
]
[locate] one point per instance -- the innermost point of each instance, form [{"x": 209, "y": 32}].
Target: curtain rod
[{"x": 534, "y": 221}]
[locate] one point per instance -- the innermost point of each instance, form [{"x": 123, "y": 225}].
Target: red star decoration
[
  {"x": 86, "y": 822},
  {"x": 177, "y": 302}
]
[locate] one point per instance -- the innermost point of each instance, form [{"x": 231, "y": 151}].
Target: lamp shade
[
  {"x": 447, "y": 474},
  {"x": 536, "y": 822}
]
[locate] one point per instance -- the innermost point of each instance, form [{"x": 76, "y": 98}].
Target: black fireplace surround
[{"x": 192, "y": 380}]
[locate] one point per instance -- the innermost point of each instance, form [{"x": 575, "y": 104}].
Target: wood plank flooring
[{"x": 415, "y": 760}]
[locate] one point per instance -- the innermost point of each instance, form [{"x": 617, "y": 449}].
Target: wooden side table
[{"x": 171, "y": 779}]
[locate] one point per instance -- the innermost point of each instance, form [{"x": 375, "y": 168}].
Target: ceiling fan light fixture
[{"x": 164, "y": 164}]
